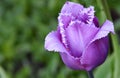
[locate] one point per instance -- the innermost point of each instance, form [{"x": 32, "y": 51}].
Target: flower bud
[{"x": 80, "y": 40}]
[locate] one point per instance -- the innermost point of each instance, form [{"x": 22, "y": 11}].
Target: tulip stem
[{"x": 90, "y": 74}]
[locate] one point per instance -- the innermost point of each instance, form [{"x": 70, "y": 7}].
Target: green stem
[
  {"x": 114, "y": 43},
  {"x": 90, "y": 74},
  {"x": 106, "y": 9},
  {"x": 102, "y": 14},
  {"x": 113, "y": 37}
]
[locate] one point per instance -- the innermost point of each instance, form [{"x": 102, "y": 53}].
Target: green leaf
[
  {"x": 64, "y": 72},
  {"x": 2, "y": 73},
  {"x": 116, "y": 48},
  {"x": 117, "y": 25},
  {"x": 24, "y": 72},
  {"x": 105, "y": 70}
]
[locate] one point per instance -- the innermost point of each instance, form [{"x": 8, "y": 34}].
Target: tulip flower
[{"x": 81, "y": 42}]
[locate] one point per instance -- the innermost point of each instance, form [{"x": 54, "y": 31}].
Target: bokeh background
[{"x": 24, "y": 25}]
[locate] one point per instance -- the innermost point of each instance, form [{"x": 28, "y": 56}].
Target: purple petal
[
  {"x": 95, "y": 54},
  {"x": 53, "y": 42},
  {"x": 77, "y": 11},
  {"x": 73, "y": 8},
  {"x": 86, "y": 15},
  {"x": 64, "y": 20},
  {"x": 97, "y": 47},
  {"x": 95, "y": 21},
  {"x": 78, "y": 36},
  {"x": 71, "y": 62},
  {"x": 106, "y": 28}
]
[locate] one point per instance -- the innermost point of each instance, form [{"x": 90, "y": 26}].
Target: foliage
[{"x": 23, "y": 27}]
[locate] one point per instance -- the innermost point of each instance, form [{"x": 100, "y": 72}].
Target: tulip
[{"x": 81, "y": 42}]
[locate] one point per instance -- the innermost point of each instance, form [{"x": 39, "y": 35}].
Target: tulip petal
[
  {"x": 53, "y": 42},
  {"x": 95, "y": 54},
  {"x": 86, "y": 15},
  {"x": 106, "y": 28},
  {"x": 64, "y": 20},
  {"x": 97, "y": 47},
  {"x": 71, "y": 62},
  {"x": 70, "y": 7},
  {"x": 75, "y": 40},
  {"x": 78, "y": 36},
  {"x": 77, "y": 11},
  {"x": 95, "y": 21}
]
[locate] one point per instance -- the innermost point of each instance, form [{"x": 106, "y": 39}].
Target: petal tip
[
  {"x": 53, "y": 42},
  {"x": 110, "y": 23}
]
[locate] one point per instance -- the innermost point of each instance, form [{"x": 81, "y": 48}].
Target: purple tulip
[{"x": 81, "y": 42}]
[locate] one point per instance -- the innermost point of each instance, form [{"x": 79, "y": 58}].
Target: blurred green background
[{"x": 24, "y": 25}]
